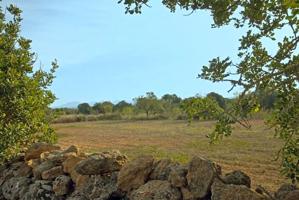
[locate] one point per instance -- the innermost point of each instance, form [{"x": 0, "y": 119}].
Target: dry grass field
[{"x": 249, "y": 150}]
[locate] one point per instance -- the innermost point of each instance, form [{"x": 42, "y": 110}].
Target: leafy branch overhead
[{"x": 273, "y": 67}]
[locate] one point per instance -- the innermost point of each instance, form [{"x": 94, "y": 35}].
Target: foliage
[
  {"x": 149, "y": 104},
  {"x": 258, "y": 66},
  {"x": 171, "y": 105},
  {"x": 103, "y": 108},
  {"x": 84, "y": 108},
  {"x": 24, "y": 93},
  {"x": 218, "y": 98},
  {"x": 120, "y": 106},
  {"x": 201, "y": 108}
]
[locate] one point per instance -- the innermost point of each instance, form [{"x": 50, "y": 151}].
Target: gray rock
[
  {"x": 162, "y": 169},
  {"x": 44, "y": 166},
  {"x": 71, "y": 149},
  {"x": 200, "y": 176},
  {"x": 52, "y": 173},
  {"x": 135, "y": 173},
  {"x": 284, "y": 190},
  {"x": 293, "y": 195},
  {"x": 77, "y": 196},
  {"x": 99, "y": 187},
  {"x": 15, "y": 188},
  {"x": 177, "y": 176},
  {"x": 102, "y": 163},
  {"x": 237, "y": 178},
  {"x": 221, "y": 191},
  {"x": 156, "y": 190},
  {"x": 22, "y": 170},
  {"x": 62, "y": 185},
  {"x": 103, "y": 186},
  {"x": 40, "y": 190}
]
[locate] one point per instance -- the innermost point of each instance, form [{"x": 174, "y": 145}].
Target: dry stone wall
[{"x": 47, "y": 172}]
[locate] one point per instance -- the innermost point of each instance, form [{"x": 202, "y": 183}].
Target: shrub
[{"x": 24, "y": 94}]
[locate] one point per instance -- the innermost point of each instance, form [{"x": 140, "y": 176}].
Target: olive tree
[
  {"x": 273, "y": 67},
  {"x": 24, "y": 93}
]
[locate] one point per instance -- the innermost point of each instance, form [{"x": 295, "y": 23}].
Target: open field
[{"x": 249, "y": 150}]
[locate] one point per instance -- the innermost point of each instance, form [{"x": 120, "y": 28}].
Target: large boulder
[
  {"x": 200, "y": 176},
  {"x": 37, "y": 149},
  {"x": 177, "y": 176},
  {"x": 237, "y": 178},
  {"x": 102, "y": 163},
  {"x": 156, "y": 190},
  {"x": 135, "y": 173},
  {"x": 162, "y": 169},
  {"x": 62, "y": 185},
  {"x": 15, "y": 188},
  {"x": 221, "y": 191},
  {"x": 284, "y": 190}
]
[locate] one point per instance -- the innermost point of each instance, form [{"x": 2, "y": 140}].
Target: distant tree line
[{"x": 169, "y": 106}]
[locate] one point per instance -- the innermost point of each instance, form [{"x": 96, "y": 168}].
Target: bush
[{"x": 24, "y": 94}]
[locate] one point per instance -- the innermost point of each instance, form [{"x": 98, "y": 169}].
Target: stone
[
  {"x": 44, "y": 166},
  {"x": 5, "y": 175},
  {"x": 62, "y": 185},
  {"x": 102, "y": 163},
  {"x": 177, "y": 176},
  {"x": 103, "y": 186},
  {"x": 81, "y": 180},
  {"x": 162, "y": 169},
  {"x": 156, "y": 190},
  {"x": 200, "y": 176},
  {"x": 33, "y": 163},
  {"x": 52, "y": 173},
  {"x": 237, "y": 178},
  {"x": 283, "y": 191},
  {"x": 71, "y": 149},
  {"x": 99, "y": 187},
  {"x": 37, "y": 149},
  {"x": 23, "y": 170},
  {"x": 135, "y": 173},
  {"x": 293, "y": 195},
  {"x": 77, "y": 196},
  {"x": 221, "y": 191},
  {"x": 40, "y": 190},
  {"x": 70, "y": 163},
  {"x": 69, "y": 166},
  {"x": 187, "y": 195},
  {"x": 15, "y": 187}
]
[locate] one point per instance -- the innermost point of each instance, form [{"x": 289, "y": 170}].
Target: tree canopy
[
  {"x": 149, "y": 103},
  {"x": 274, "y": 67}
]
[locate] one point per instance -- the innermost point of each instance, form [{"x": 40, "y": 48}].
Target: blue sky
[{"x": 106, "y": 55}]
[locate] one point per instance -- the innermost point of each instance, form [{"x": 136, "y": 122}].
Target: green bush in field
[
  {"x": 84, "y": 108},
  {"x": 24, "y": 94},
  {"x": 267, "y": 59}
]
